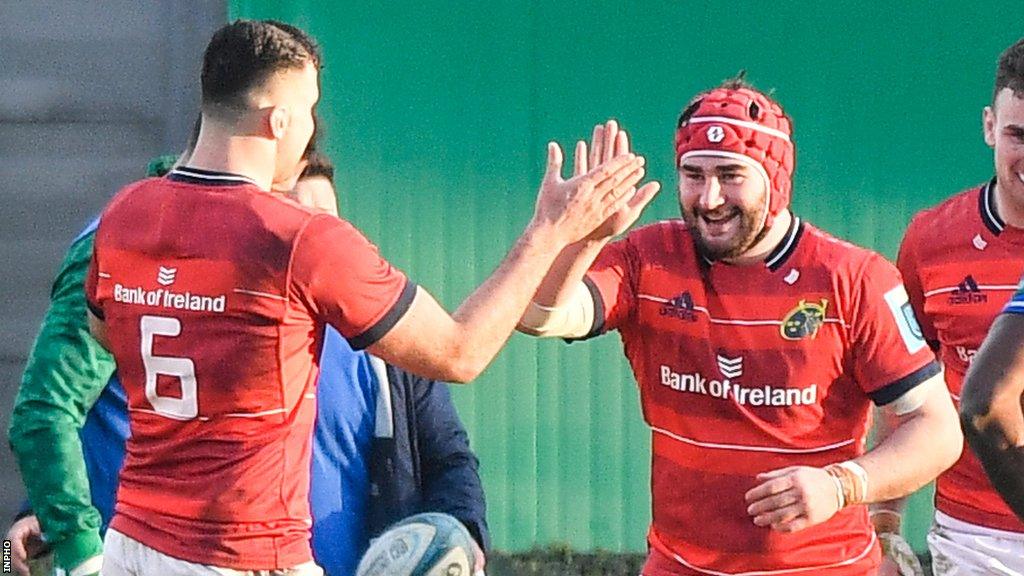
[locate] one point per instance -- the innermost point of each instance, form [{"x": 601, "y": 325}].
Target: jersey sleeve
[
  {"x": 1016, "y": 303},
  {"x": 66, "y": 371},
  {"x": 343, "y": 280},
  {"x": 907, "y": 262},
  {"x": 91, "y": 282},
  {"x": 610, "y": 281},
  {"x": 889, "y": 352}
]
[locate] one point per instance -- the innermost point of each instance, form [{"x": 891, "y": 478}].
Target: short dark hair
[
  {"x": 244, "y": 53},
  {"x": 1010, "y": 70},
  {"x": 318, "y": 164}
]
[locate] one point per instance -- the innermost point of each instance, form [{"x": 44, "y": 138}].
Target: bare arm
[
  {"x": 567, "y": 271},
  {"x": 429, "y": 342},
  {"x": 990, "y": 408},
  {"x": 924, "y": 443}
]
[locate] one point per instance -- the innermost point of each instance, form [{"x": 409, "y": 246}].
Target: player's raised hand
[
  {"x": 574, "y": 208},
  {"x": 793, "y": 498},
  {"x": 607, "y": 142}
]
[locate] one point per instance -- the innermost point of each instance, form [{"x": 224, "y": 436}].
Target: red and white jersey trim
[
  {"x": 735, "y": 321},
  {"x": 993, "y": 287},
  {"x": 748, "y": 448},
  {"x": 657, "y": 543}
]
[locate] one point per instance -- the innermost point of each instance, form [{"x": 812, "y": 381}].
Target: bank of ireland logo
[
  {"x": 804, "y": 321},
  {"x": 165, "y": 276},
  {"x": 716, "y": 134},
  {"x": 731, "y": 368}
]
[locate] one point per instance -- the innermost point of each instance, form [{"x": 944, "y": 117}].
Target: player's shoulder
[
  {"x": 846, "y": 260},
  {"x": 958, "y": 212},
  {"x": 663, "y": 235}
]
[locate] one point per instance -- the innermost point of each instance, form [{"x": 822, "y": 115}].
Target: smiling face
[
  {"x": 724, "y": 203},
  {"x": 1004, "y": 132}
]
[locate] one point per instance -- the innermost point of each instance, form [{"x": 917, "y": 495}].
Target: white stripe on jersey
[
  {"x": 746, "y": 448},
  {"x": 733, "y": 321}
]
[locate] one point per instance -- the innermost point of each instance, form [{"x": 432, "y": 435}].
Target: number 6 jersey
[{"x": 215, "y": 294}]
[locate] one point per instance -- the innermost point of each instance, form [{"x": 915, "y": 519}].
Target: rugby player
[
  {"x": 967, "y": 257},
  {"x": 759, "y": 344},
  {"x": 212, "y": 295},
  {"x": 387, "y": 444}
]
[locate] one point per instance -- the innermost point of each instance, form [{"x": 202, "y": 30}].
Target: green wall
[{"x": 437, "y": 114}]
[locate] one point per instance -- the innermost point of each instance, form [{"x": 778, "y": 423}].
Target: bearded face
[{"x": 724, "y": 204}]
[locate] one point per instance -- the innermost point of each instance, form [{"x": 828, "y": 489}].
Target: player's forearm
[
  {"x": 885, "y": 424},
  {"x": 568, "y": 270},
  {"x": 487, "y": 318},
  {"x": 990, "y": 408},
  {"x": 1003, "y": 462},
  {"x": 995, "y": 432},
  {"x": 922, "y": 446}
]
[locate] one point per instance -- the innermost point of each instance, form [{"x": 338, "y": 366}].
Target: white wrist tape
[{"x": 573, "y": 319}]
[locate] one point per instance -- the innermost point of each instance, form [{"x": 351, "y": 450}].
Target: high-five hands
[
  {"x": 597, "y": 200},
  {"x": 608, "y": 142}
]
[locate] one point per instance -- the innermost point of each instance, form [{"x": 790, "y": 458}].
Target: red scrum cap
[{"x": 744, "y": 124}]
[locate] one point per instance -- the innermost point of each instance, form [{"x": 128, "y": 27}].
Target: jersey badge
[
  {"x": 792, "y": 277},
  {"x": 804, "y": 320},
  {"x": 906, "y": 322},
  {"x": 979, "y": 242}
]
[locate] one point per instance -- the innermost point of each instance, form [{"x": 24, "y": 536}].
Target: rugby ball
[{"x": 429, "y": 544}]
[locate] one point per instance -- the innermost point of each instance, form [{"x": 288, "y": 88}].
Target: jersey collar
[
  {"x": 987, "y": 207},
  {"x": 778, "y": 256},
  {"x": 207, "y": 177}
]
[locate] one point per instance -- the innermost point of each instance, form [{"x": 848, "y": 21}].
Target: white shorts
[
  {"x": 962, "y": 549},
  {"x": 124, "y": 556}
]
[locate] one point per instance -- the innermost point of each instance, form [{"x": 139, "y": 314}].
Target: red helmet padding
[{"x": 772, "y": 151}]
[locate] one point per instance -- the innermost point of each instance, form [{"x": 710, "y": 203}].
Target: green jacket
[{"x": 66, "y": 371}]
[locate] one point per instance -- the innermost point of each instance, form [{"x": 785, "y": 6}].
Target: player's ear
[
  {"x": 280, "y": 118},
  {"x": 988, "y": 125}
]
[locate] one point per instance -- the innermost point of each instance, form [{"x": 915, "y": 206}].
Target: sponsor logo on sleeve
[{"x": 910, "y": 331}]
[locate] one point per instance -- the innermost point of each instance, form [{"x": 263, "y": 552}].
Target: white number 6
[{"x": 186, "y": 407}]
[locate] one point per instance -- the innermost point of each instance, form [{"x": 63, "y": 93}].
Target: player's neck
[
  {"x": 1011, "y": 212},
  {"x": 776, "y": 234},
  {"x": 242, "y": 155}
]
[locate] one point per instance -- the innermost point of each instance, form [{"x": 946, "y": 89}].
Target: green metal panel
[{"x": 437, "y": 114}]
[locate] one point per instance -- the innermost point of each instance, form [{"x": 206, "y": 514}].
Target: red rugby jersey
[
  {"x": 215, "y": 295},
  {"x": 746, "y": 369},
  {"x": 961, "y": 264}
]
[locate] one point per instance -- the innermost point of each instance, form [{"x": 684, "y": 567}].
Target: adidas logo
[
  {"x": 680, "y": 307},
  {"x": 967, "y": 292},
  {"x": 730, "y": 368},
  {"x": 166, "y": 276}
]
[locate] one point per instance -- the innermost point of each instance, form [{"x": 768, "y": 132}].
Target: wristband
[{"x": 853, "y": 480}]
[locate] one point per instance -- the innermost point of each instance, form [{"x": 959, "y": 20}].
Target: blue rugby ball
[{"x": 429, "y": 544}]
